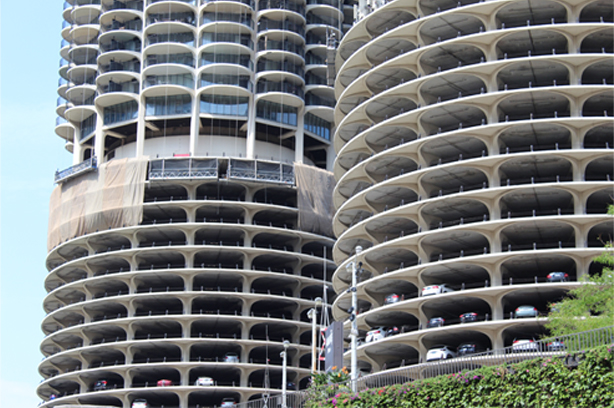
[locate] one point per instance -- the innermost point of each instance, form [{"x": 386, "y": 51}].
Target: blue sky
[{"x": 30, "y": 152}]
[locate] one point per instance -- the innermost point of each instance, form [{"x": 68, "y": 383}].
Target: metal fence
[
  {"x": 565, "y": 347},
  {"x": 73, "y": 171},
  {"x": 183, "y": 168}
]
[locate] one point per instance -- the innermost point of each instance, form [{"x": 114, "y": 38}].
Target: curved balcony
[
  {"x": 110, "y": 5},
  {"x": 281, "y": 5}
]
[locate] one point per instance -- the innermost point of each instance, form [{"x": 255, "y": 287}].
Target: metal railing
[
  {"x": 564, "y": 347},
  {"x": 183, "y": 168},
  {"x": 73, "y": 171}
]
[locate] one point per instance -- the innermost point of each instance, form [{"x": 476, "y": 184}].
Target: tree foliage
[
  {"x": 588, "y": 306},
  {"x": 538, "y": 383}
]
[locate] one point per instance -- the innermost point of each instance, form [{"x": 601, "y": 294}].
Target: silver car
[
  {"x": 436, "y": 289},
  {"x": 526, "y": 311},
  {"x": 440, "y": 353}
]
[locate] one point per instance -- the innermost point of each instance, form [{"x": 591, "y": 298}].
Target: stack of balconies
[
  {"x": 473, "y": 149},
  {"x": 213, "y": 268},
  {"x": 128, "y": 63},
  {"x": 218, "y": 264}
]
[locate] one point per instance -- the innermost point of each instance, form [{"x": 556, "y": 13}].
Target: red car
[{"x": 165, "y": 383}]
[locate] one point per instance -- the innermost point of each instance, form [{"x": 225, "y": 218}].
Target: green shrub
[{"x": 539, "y": 383}]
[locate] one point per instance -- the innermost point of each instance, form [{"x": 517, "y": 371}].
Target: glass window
[
  {"x": 168, "y": 105},
  {"x": 277, "y": 112},
  {"x": 224, "y": 105},
  {"x": 120, "y": 112},
  {"x": 318, "y": 126}
]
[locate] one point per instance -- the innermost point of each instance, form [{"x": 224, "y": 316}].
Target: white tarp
[
  {"x": 111, "y": 197},
  {"x": 315, "y": 199}
]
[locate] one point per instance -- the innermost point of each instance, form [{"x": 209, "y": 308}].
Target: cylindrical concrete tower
[
  {"x": 474, "y": 144},
  {"x": 183, "y": 244}
]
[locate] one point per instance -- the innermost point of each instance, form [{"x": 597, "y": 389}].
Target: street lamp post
[
  {"x": 313, "y": 314},
  {"x": 284, "y": 374},
  {"x": 354, "y": 267}
]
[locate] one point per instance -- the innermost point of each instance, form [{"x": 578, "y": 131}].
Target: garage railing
[{"x": 568, "y": 348}]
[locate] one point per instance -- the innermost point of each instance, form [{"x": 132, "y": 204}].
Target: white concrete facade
[
  {"x": 474, "y": 148},
  {"x": 219, "y": 264}
]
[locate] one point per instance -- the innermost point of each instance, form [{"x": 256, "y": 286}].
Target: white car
[
  {"x": 436, "y": 289},
  {"x": 440, "y": 353},
  {"x": 231, "y": 358},
  {"x": 376, "y": 334},
  {"x": 140, "y": 403},
  {"x": 228, "y": 402},
  {"x": 524, "y": 345},
  {"x": 204, "y": 382}
]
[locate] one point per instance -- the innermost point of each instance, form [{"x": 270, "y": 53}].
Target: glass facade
[
  {"x": 87, "y": 127},
  {"x": 277, "y": 112},
  {"x": 120, "y": 112},
  {"x": 207, "y": 58},
  {"x": 318, "y": 126},
  {"x": 224, "y": 105},
  {"x": 222, "y": 79},
  {"x": 168, "y": 105}
]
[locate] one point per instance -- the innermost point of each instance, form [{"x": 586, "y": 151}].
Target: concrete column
[
  {"x": 77, "y": 150},
  {"x": 191, "y": 215},
  {"x": 330, "y": 157},
  {"x": 299, "y": 137},
  {"x": 99, "y": 140},
  {"x": 140, "y": 128},
  {"x": 194, "y": 125},
  {"x": 251, "y": 128}
]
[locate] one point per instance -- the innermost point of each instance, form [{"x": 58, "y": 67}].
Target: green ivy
[{"x": 539, "y": 383}]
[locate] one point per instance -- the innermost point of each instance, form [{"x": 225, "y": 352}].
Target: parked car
[
  {"x": 140, "y": 403},
  {"x": 524, "y": 345},
  {"x": 228, "y": 402},
  {"x": 435, "y": 322},
  {"x": 164, "y": 383},
  {"x": 101, "y": 385},
  {"x": 376, "y": 334},
  {"x": 231, "y": 358},
  {"x": 204, "y": 382},
  {"x": 468, "y": 317},
  {"x": 291, "y": 386},
  {"x": 470, "y": 348},
  {"x": 557, "y": 277},
  {"x": 554, "y": 307},
  {"x": 526, "y": 311},
  {"x": 556, "y": 345},
  {"x": 436, "y": 289},
  {"x": 392, "y": 298},
  {"x": 440, "y": 353}
]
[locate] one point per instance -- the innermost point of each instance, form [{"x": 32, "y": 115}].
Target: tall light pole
[
  {"x": 284, "y": 374},
  {"x": 353, "y": 267},
  {"x": 313, "y": 314}
]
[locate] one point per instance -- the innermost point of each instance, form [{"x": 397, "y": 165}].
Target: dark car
[
  {"x": 557, "y": 277},
  {"x": 392, "y": 298},
  {"x": 101, "y": 385},
  {"x": 392, "y": 331},
  {"x": 470, "y": 348},
  {"x": 468, "y": 317},
  {"x": 435, "y": 322}
]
